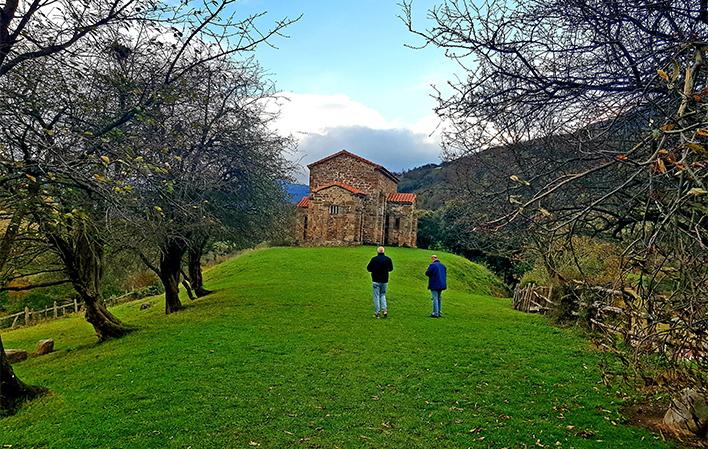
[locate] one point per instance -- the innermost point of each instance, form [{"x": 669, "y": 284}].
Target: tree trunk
[
  {"x": 82, "y": 256},
  {"x": 187, "y": 286},
  {"x": 13, "y": 392},
  {"x": 105, "y": 324},
  {"x": 195, "y": 270},
  {"x": 172, "y": 302},
  {"x": 170, "y": 271},
  {"x": 8, "y": 239}
]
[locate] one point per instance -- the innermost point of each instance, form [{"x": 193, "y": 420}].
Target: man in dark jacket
[
  {"x": 379, "y": 267},
  {"x": 437, "y": 282}
]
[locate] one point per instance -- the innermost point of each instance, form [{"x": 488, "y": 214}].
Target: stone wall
[
  {"x": 351, "y": 171},
  {"x": 301, "y": 223},
  {"x": 402, "y": 225},
  {"x": 326, "y": 228},
  {"x": 387, "y": 185},
  {"x": 361, "y": 218},
  {"x": 373, "y": 219}
]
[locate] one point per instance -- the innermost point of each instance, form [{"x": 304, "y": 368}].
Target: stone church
[{"x": 354, "y": 201}]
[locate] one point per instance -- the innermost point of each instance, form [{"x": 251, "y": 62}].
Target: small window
[
  {"x": 333, "y": 209},
  {"x": 398, "y": 223}
]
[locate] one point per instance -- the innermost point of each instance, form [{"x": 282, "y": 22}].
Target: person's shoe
[
  {"x": 376, "y": 315},
  {"x": 433, "y": 316},
  {"x": 385, "y": 314}
]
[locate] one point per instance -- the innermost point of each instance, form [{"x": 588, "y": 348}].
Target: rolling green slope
[{"x": 287, "y": 353}]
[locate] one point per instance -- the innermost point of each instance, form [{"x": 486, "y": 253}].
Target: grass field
[{"x": 287, "y": 353}]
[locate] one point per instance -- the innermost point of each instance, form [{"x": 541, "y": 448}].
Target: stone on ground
[
  {"x": 44, "y": 347},
  {"x": 688, "y": 413},
  {"x": 16, "y": 355}
]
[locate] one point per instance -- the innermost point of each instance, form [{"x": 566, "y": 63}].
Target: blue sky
[{"x": 351, "y": 81}]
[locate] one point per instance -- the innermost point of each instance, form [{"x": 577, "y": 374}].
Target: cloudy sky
[{"x": 349, "y": 82}]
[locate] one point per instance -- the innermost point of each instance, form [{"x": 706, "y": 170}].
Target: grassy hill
[{"x": 287, "y": 354}]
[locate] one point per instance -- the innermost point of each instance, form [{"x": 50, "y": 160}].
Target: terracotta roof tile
[
  {"x": 354, "y": 190},
  {"x": 304, "y": 202},
  {"x": 401, "y": 198}
]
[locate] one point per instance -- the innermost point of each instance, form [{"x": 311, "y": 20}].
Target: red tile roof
[
  {"x": 354, "y": 190},
  {"x": 401, "y": 198},
  {"x": 304, "y": 202},
  {"x": 378, "y": 167}
]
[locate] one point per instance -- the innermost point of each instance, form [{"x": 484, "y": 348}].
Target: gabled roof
[
  {"x": 354, "y": 190},
  {"x": 401, "y": 198},
  {"x": 304, "y": 202},
  {"x": 378, "y": 167}
]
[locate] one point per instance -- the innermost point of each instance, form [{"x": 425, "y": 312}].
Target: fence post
[
  {"x": 76, "y": 306},
  {"x": 27, "y": 315},
  {"x": 55, "y": 310}
]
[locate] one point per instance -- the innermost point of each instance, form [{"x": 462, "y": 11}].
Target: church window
[{"x": 333, "y": 209}]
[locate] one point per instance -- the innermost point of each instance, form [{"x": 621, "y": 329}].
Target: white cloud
[
  {"x": 429, "y": 126},
  {"x": 324, "y": 124},
  {"x": 304, "y": 114}
]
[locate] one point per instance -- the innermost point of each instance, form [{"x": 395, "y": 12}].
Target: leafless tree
[
  {"x": 594, "y": 117},
  {"x": 60, "y": 179},
  {"x": 216, "y": 171}
]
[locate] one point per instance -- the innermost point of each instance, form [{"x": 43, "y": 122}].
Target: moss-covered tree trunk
[
  {"x": 187, "y": 286},
  {"x": 82, "y": 256},
  {"x": 169, "y": 272},
  {"x": 13, "y": 392},
  {"x": 194, "y": 258},
  {"x": 8, "y": 239},
  {"x": 105, "y": 324}
]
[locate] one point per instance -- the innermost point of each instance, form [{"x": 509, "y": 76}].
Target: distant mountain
[
  {"x": 296, "y": 191},
  {"x": 428, "y": 182}
]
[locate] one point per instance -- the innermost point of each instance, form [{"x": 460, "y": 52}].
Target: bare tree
[
  {"x": 60, "y": 178},
  {"x": 38, "y": 29},
  {"x": 219, "y": 171},
  {"x": 604, "y": 103}
]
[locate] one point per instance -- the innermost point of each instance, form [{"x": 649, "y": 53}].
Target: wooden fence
[
  {"x": 617, "y": 312},
  {"x": 29, "y": 317},
  {"x": 533, "y": 299}
]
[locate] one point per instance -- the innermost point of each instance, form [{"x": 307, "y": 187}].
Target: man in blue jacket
[
  {"x": 379, "y": 267},
  {"x": 437, "y": 282}
]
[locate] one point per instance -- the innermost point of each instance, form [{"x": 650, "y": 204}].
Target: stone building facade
[{"x": 354, "y": 201}]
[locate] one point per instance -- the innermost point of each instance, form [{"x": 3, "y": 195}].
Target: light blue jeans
[
  {"x": 380, "y": 296},
  {"x": 437, "y": 301}
]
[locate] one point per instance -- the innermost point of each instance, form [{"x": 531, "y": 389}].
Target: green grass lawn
[{"x": 287, "y": 353}]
